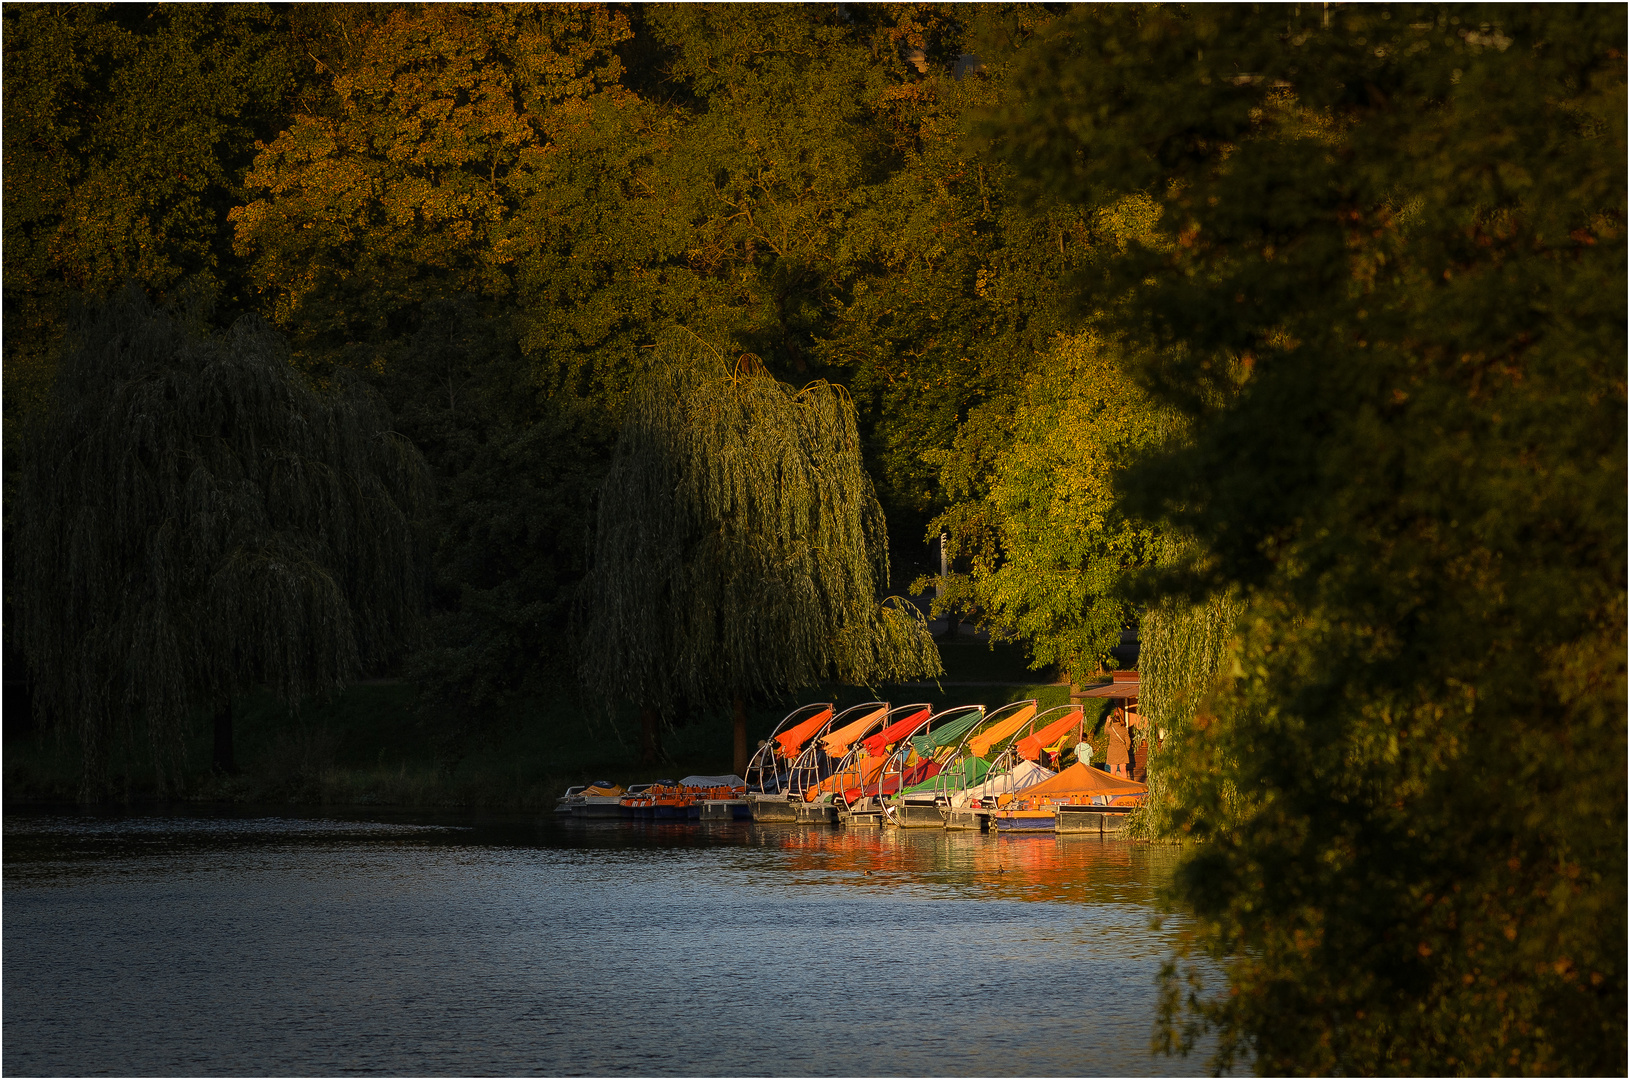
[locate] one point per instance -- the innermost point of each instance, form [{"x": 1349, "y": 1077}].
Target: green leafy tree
[
  {"x": 739, "y": 549},
  {"x": 197, "y": 521},
  {"x": 842, "y": 223},
  {"x": 1389, "y": 301},
  {"x": 1047, "y": 547}
]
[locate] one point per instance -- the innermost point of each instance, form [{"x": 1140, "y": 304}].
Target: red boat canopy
[
  {"x": 894, "y": 732},
  {"x": 1030, "y": 746},
  {"x": 890, "y": 784}
]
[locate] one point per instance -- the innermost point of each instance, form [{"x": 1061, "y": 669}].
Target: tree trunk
[
  {"x": 650, "y": 735},
  {"x": 225, "y": 763},
  {"x": 741, "y": 735}
]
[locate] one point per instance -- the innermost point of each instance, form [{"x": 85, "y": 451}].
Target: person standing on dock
[{"x": 1119, "y": 758}]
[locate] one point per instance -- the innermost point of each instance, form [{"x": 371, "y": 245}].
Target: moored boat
[
  {"x": 1016, "y": 752},
  {"x": 770, "y": 771},
  {"x": 858, "y": 751},
  {"x": 900, "y": 766},
  {"x": 598, "y": 800},
  {"x": 915, "y": 757},
  {"x": 1080, "y": 785},
  {"x": 669, "y": 800},
  {"x": 964, "y": 752},
  {"x": 792, "y": 758}
]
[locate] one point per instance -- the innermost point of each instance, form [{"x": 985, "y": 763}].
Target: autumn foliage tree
[
  {"x": 1047, "y": 548},
  {"x": 401, "y": 183}
]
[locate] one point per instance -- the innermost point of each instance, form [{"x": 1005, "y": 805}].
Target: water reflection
[{"x": 276, "y": 944}]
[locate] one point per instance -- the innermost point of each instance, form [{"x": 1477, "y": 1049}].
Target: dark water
[{"x": 275, "y": 945}]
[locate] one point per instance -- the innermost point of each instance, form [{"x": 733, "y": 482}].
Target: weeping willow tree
[
  {"x": 1182, "y": 649},
  {"x": 739, "y": 548},
  {"x": 198, "y": 521}
]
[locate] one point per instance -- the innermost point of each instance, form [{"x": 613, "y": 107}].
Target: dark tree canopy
[
  {"x": 197, "y": 521},
  {"x": 1388, "y": 294},
  {"x": 739, "y": 549}
]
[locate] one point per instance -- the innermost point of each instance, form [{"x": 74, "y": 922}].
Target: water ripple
[{"x": 302, "y": 946}]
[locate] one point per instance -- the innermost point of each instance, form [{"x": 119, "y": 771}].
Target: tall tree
[
  {"x": 1048, "y": 549},
  {"x": 198, "y": 520},
  {"x": 1389, "y": 299},
  {"x": 458, "y": 210},
  {"x": 739, "y": 549}
]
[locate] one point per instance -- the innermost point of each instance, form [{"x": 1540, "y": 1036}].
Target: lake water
[{"x": 252, "y": 945}]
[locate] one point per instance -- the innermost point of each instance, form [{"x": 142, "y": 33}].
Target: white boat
[
  {"x": 599, "y": 799},
  {"x": 573, "y": 796}
]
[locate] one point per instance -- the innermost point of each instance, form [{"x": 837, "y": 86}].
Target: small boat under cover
[{"x": 1034, "y": 809}]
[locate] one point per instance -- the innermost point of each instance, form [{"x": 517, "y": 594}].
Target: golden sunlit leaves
[{"x": 433, "y": 138}]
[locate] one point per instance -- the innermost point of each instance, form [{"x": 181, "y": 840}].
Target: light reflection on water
[{"x": 277, "y": 945}]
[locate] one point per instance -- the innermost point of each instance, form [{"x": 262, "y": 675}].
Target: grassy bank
[{"x": 371, "y": 746}]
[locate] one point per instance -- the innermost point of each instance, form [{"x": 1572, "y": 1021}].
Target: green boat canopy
[
  {"x": 965, "y": 772},
  {"x": 946, "y": 734}
]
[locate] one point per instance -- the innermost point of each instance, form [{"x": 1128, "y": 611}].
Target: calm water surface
[{"x": 277, "y": 945}]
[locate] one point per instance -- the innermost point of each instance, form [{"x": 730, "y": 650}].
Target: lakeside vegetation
[{"x": 372, "y": 745}]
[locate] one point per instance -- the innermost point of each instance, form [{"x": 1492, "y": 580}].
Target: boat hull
[
  {"x": 816, "y": 813},
  {"x": 1098, "y": 820},
  {"x": 726, "y": 810},
  {"x": 771, "y": 809},
  {"x": 598, "y": 807},
  {"x": 1023, "y": 821},
  {"x": 919, "y": 816}
]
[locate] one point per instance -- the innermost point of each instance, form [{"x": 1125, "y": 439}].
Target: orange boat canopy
[
  {"x": 895, "y": 732},
  {"x": 793, "y": 739},
  {"x": 854, "y": 776},
  {"x": 981, "y": 743},
  {"x": 1030, "y": 746},
  {"x": 1082, "y": 779},
  {"x": 837, "y": 742}
]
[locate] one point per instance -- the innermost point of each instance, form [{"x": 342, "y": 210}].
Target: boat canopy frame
[
  {"x": 814, "y": 764},
  {"x": 899, "y": 751},
  {"x": 1006, "y": 756},
  {"x": 960, "y": 748},
  {"x": 769, "y": 760},
  {"x": 857, "y": 751}
]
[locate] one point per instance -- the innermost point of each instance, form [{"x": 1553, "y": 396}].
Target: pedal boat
[
  {"x": 843, "y": 758},
  {"x": 1078, "y": 791},
  {"x": 597, "y": 800}
]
